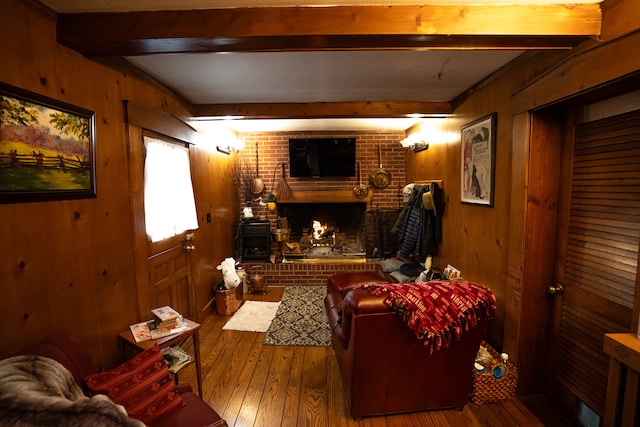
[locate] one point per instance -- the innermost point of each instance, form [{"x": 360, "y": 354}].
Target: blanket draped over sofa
[
  {"x": 36, "y": 390},
  {"x": 439, "y": 310}
]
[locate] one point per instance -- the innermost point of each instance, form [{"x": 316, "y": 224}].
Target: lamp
[
  {"x": 230, "y": 144},
  {"x": 415, "y": 142},
  {"x": 228, "y": 141}
]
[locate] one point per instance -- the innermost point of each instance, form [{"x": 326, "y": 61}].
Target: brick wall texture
[{"x": 273, "y": 149}]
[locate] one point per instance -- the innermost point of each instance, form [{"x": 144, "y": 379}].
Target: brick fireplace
[
  {"x": 364, "y": 224},
  {"x": 327, "y": 230}
]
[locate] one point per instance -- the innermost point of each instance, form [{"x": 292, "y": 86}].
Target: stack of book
[
  {"x": 166, "y": 321},
  {"x": 165, "y": 317}
]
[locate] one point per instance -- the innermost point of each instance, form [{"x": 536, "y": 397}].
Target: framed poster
[
  {"x": 47, "y": 148},
  {"x": 478, "y": 161}
]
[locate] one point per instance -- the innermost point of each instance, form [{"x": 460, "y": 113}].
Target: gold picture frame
[{"x": 47, "y": 148}]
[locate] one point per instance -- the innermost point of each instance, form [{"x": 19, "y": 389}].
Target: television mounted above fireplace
[{"x": 322, "y": 157}]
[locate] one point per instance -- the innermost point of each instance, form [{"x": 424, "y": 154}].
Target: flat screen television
[{"x": 322, "y": 157}]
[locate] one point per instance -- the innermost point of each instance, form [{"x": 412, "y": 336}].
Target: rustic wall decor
[
  {"x": 478, "y": 161},
  {"x": 47, "y": 148}
]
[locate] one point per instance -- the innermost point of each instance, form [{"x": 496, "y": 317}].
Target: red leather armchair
[{"x": 385, "y": 369}]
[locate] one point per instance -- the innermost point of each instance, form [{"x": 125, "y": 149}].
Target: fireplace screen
[{"x": 338, "y": 230}]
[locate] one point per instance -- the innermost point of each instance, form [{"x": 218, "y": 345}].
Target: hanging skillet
[
  {"x": 360, "y": 191},
  {"x": 380, "y": 178},
  {"x": 258, "y": 184}
]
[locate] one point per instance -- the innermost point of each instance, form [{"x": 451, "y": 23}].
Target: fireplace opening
[{"x": 326, "y": 230}]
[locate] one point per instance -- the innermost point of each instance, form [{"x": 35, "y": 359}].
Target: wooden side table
[
  {"x": 171, "y": 340},
  {"x": 621, "y": 405}
]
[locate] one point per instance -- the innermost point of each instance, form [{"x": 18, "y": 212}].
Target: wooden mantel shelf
[{"x": 337, "y": 196}]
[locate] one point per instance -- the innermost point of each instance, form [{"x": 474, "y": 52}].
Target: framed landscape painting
[
  {"x": 478, "y": 161},
  {"x": 47, "y": 148}
]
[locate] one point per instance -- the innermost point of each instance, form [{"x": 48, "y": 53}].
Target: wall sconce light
[
  {"x": 225, "y": 150},
  {"x": 415, "y": 142},
  {"x": 229, "y": 144}
]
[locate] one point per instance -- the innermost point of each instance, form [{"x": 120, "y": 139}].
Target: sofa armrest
[
  {"x": 340, "y": 311},
  {"x": 344, "y": 282},
  {"x": 360, "y": 301}
]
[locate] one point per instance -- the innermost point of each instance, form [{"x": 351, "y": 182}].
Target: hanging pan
[
  {"x": 360, "y": 191},
  {"x": 380, "y": 178},
  {"x": 258, "y": 184}
]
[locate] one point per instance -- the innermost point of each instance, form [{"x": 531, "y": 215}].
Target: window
[{"x": 169, "y": 204}]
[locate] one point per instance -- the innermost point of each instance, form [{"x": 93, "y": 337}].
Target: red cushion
[{"x": 143, "y": 385}]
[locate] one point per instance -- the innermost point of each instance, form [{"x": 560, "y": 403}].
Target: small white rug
[{"x": 253, "y": 316}]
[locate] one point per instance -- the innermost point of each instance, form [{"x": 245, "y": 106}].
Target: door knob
[{"x": 555, "y": 289}]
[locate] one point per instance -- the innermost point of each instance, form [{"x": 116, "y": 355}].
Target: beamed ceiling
[{"x": 357, "y": 59}]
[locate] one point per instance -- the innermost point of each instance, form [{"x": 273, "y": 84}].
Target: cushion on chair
[{"x": 143, "y": 385}]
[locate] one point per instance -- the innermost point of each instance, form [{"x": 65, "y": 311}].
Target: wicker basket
[
  {"x": 227, "y": 301},
  {"x": 485, "y": 388}
]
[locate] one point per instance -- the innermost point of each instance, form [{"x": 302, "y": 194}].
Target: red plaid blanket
[{"x": 439, "y": 310}]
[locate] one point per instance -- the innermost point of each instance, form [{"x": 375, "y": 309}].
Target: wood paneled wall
[{"x": 69, "y": 265}]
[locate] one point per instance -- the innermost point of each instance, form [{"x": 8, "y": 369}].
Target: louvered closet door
[{"x": 599, "y": 252}]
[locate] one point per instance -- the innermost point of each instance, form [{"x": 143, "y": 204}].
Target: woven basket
[
  {"x": 485, "y": 388},
  {"x": 227, "y": 301}
]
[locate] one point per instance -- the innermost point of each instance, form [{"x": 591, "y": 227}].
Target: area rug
[
  {"x": 301, "y": 318},
  {"x": 253, "y": 316}
]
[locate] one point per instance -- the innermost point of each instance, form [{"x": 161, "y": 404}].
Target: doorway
[{"x": 596, "y": 252}]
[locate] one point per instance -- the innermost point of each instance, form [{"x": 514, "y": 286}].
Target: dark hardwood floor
[{"x": 249, "y": 384}]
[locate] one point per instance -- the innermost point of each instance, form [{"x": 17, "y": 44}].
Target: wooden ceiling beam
[
  {"x": 320, "y": 110},
  {"x": 338, "y": 27}
]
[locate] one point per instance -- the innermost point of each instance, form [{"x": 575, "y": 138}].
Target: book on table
[
  {"x": 166, "y": 321},
  {"x": 141, "y": 331},
  {"x": 165, "y": 314}
]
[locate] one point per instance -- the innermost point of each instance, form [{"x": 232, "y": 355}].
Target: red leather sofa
[
  {"x": 69, "y": 351},
  {"x": 385, "y": 369}
]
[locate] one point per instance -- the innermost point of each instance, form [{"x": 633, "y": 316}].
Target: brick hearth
[{"x": 306, "y": 274}]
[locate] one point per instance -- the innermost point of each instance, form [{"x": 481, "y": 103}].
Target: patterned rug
[{"x": 300, "y": 319}]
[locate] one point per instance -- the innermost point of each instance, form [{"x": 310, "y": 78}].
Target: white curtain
[{"x": 169, "y": 204}]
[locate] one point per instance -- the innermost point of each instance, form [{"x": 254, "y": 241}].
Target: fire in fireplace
[{"x": 326, "y": 230}]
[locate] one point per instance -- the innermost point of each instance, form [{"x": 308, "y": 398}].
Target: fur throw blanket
[{"x": 38, "y": 391}]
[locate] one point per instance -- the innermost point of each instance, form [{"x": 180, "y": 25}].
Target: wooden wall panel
[
  {"x": 475, "y": 238},
  {"x": 215, "y": 195},
  {"x": 69, "y": 265},
  {"x": 68, "y": 262}
]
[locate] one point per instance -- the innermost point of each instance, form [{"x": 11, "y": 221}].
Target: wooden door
[
  {"x": 595, "y": 275},
  {"x": 170, "y": 277},
  {"x": 163, "y": 269}
]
